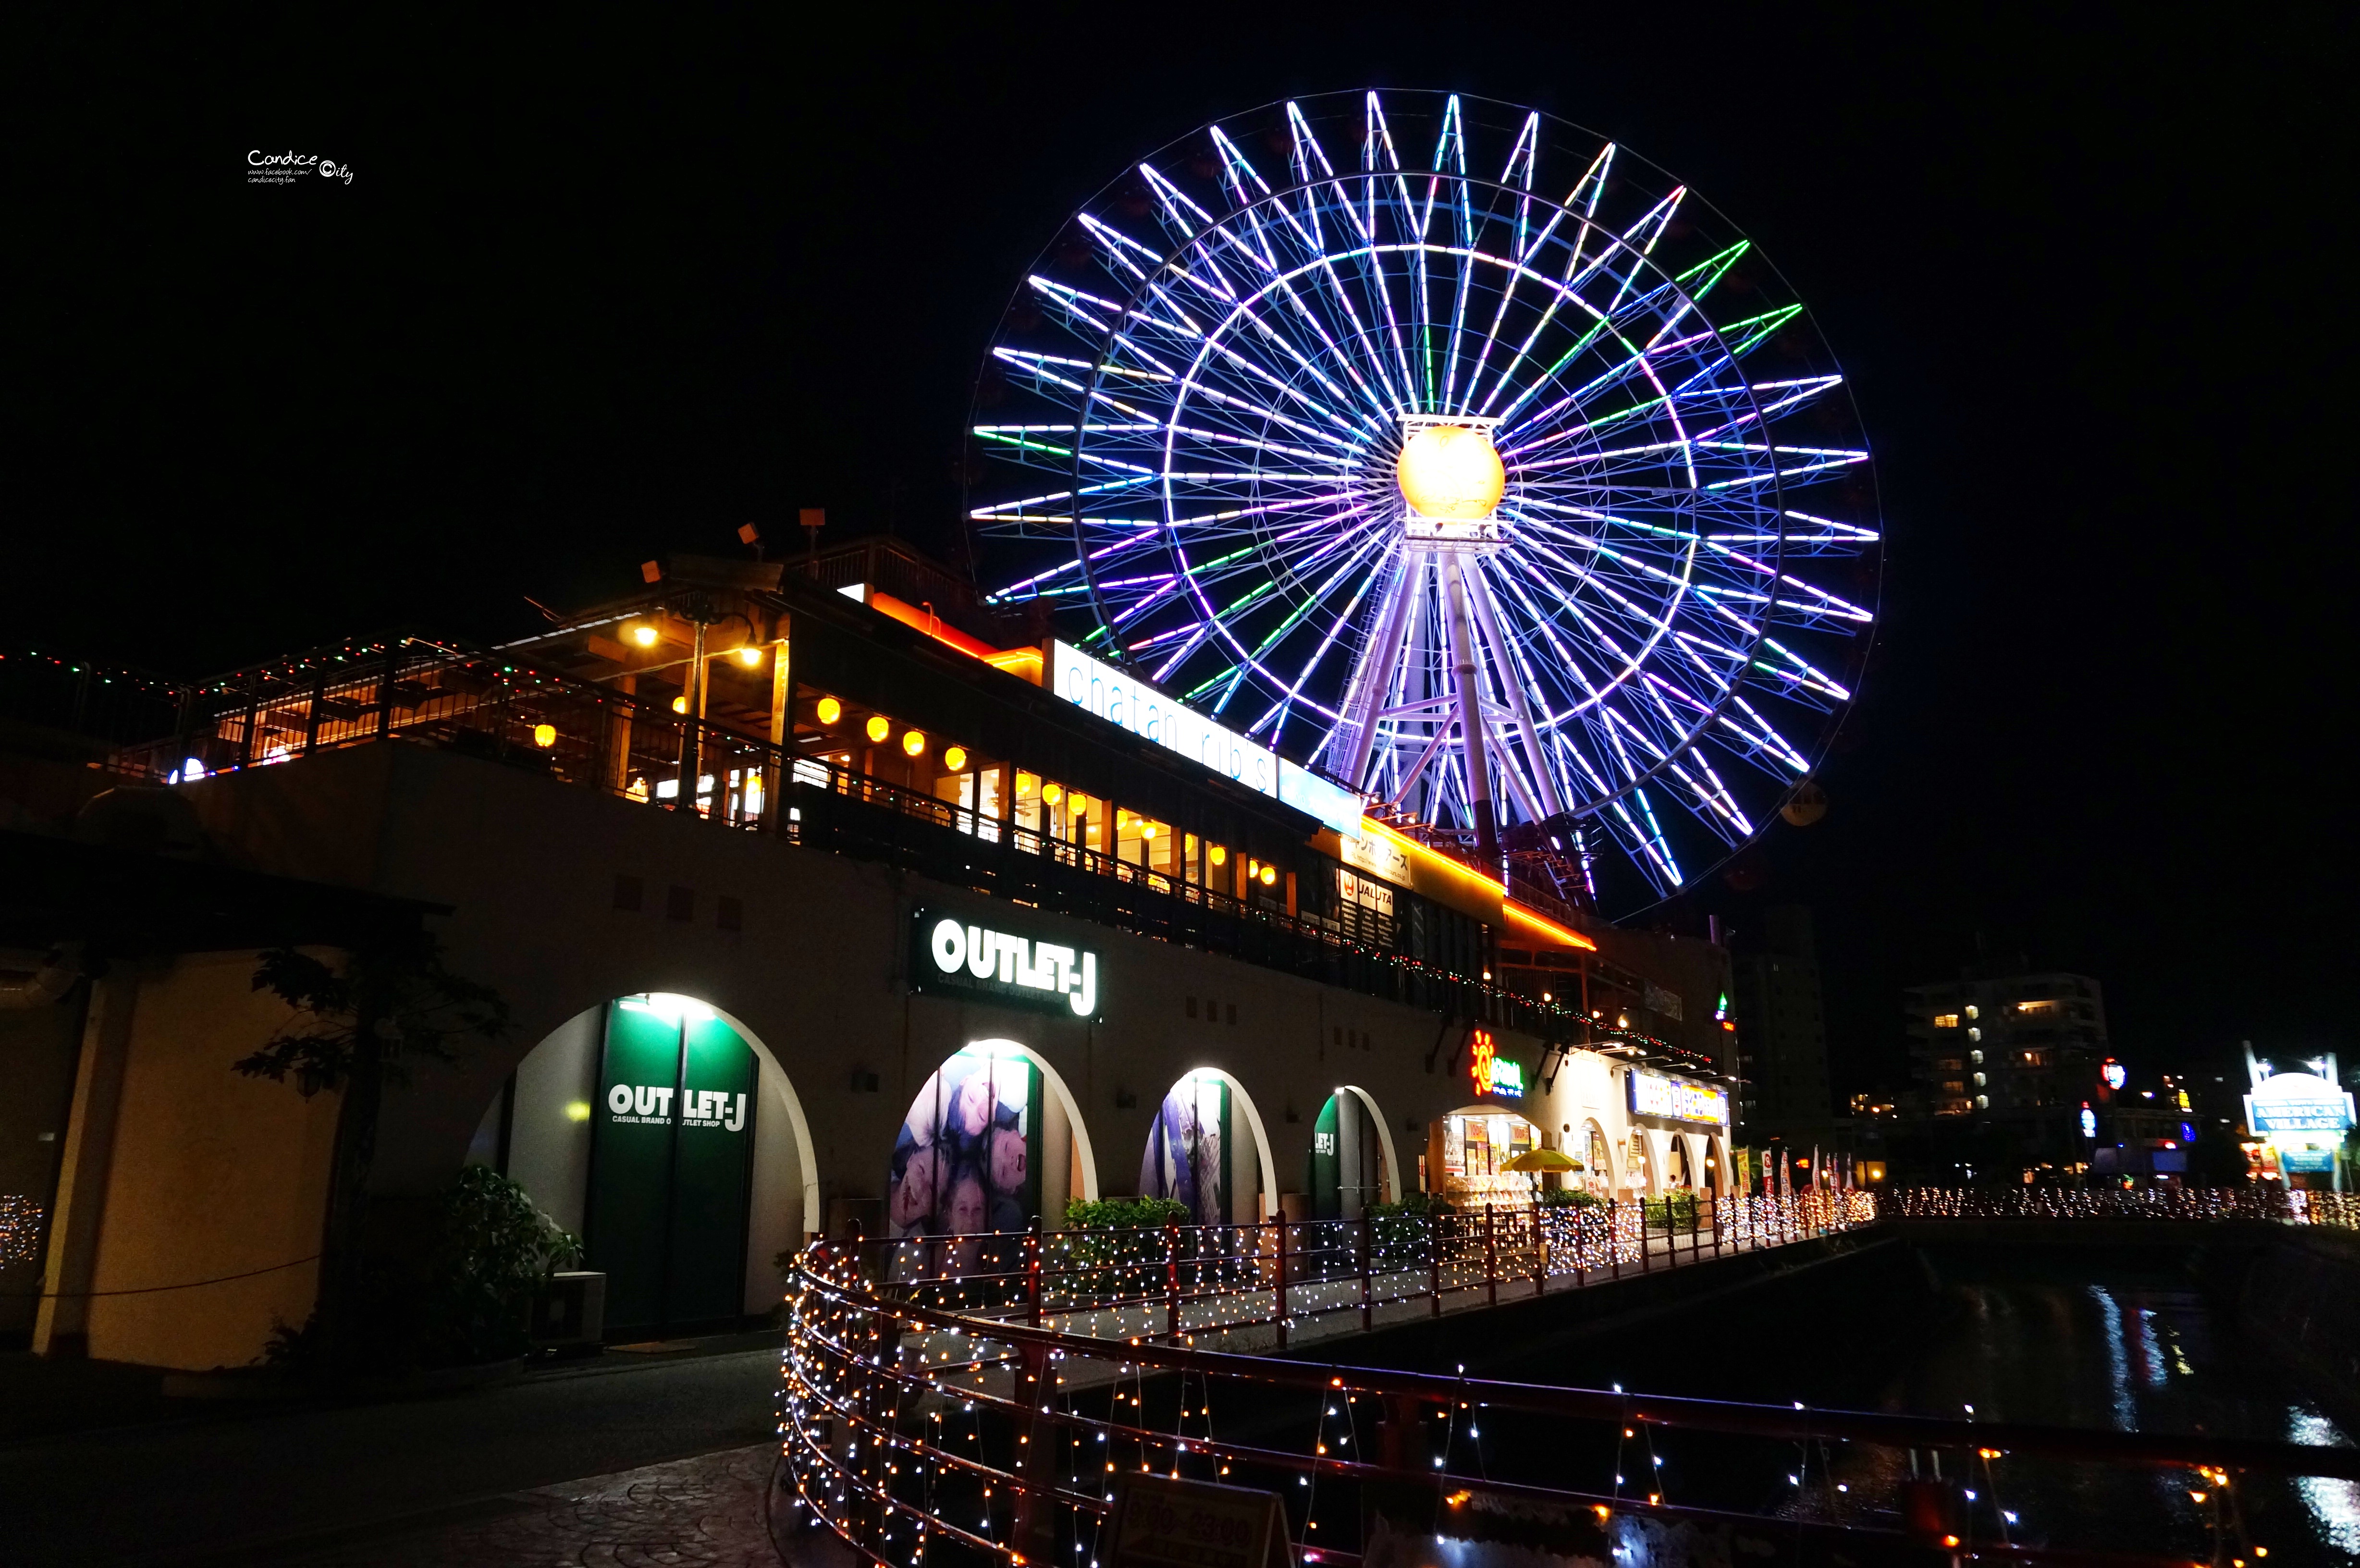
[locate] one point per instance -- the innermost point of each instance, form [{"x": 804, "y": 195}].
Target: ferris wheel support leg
[
  {"x": 1375, "y": 674},
  {"x": 1488, "y": 615},
  {"x": 1470, "y": 711}
]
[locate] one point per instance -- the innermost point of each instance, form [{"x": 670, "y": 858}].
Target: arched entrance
[
  {"x": 991, "y": 1139},
  {"x": 1206, "y": 1148},
  {"x": 665, "y": 1134},
  {"x": 1680, "y": 1169},
  {"x": 1352, "y": 1162}
]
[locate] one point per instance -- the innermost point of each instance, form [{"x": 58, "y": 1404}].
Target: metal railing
[
  {"x": 1281, "y": 1275},
  {"x": 494, "y": 706},
  {"x": 995, "y": 1398}
]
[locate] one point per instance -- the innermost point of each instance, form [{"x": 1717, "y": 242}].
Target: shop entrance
[
  {"x": 1347, "y": 1159},
  {"x": 1475, "y": 1143},
  {"x": 672, "y": 1161}
]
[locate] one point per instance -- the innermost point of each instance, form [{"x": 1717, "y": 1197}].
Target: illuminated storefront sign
[
  {"x": 2297, "y": 1102},
  {"x": 2114, "y": 1073},
  {"x": 1675, "y": 1099},
  {"x": 952, "y": 952},
  {"x": 1494, "y": 1074},
  {"x": 1118, "y": 699}
]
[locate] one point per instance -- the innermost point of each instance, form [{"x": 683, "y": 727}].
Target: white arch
[
  {"x": 1083, "y": 1155},
  {"x": 1238, "y": 1097},
  {"x": 1385, "y": 1138},
  {"x": 1594, "y": 1135}
]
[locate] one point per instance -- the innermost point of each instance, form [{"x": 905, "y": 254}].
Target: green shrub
[
  {"x": 1124, "y": 1213},
  {"x": 493, "y": 1249},
  {"x": 1571, "y": 1198},
  {"x": 1677, "y": 1211}
]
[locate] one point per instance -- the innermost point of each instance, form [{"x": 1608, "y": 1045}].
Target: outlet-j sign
[{"x": 956, "y": 953}]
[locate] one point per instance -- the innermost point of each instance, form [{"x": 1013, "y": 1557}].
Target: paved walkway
[
  {"x": 707, "y": 1510},
  {"x": 268, "y": 1486}
]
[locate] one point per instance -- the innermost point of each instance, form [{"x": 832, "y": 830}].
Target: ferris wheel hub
[{"x": 1448, "y": 470}]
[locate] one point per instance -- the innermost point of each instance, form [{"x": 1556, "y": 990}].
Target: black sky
[{"x": 609, "y": 288}]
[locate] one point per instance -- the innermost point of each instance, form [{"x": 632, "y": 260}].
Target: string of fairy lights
[
  {"x": 2297, "y": 1206},
  {"x": 910, "y": 1400}
]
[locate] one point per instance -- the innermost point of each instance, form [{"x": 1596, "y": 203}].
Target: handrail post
[
  {"x": 1368, "y": 1251},
  {"x": 1172, "y": 1279},
  {"x": 1646, "y": 1264},
  {"x": 1281, "y": 1316},
  {"x": 1540, "y": 1251},
  {"x": 1033, "y": 1275},
  {"x": 1434, "y": 1258},
  {"x": 1491, "y": 1253}
]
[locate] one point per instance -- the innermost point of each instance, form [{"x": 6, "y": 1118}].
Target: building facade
[
  {"x": 898, "y": 935},
  {"x": 1782, "y": 1029},
  {"x": 2016, "y": 1054}
]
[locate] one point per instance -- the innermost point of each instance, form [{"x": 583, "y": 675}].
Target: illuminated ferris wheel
[{"x": 1458, "y": 453}]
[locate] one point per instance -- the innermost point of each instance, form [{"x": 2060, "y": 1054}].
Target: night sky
[{"x": 593, "y": 297}]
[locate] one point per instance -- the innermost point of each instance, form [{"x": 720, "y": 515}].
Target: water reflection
[
  {"x": 2039, "y": 1340},
  {"x": 2335, "y": 1504},
  {"x": 2066, "y": 1337}
]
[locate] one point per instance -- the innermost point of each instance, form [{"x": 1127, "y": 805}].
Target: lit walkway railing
[
  {"x": 2270, "y": 1203},
  {"x": 945, "y": 1401}
]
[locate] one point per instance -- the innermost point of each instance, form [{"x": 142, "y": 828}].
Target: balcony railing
[{"x": 496, "y": 707}]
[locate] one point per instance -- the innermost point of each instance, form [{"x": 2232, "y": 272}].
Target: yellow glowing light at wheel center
[{"x": 1452, "y": 473}]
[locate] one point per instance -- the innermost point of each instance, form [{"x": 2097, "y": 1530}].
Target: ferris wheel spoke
[
  {"x": 1293, "y": 692},
  {"x": 1583, "y": 198}
]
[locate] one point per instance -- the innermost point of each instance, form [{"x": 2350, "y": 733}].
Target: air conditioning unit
[{"x": 569, "y": 1314}]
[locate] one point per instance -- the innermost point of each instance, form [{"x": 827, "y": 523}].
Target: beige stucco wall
[{"x": 212, "y": 1174}]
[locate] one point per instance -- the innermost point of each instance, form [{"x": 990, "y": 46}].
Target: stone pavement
[{"x": 706, "y": 1510}]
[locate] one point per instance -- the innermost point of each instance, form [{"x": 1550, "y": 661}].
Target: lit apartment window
[
  {"x": 1975, "y": 1012},
  {"x": 1946, "y": 1021},
  {"x": 2036, "y": 1007},
  {"x": 1976, "y": 1057}
]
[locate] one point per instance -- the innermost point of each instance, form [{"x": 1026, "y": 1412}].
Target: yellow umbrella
[{"x": 1536, "y": 1159}]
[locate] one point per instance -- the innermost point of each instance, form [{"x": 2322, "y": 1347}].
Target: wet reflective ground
[{"x": 2064, "y": 1337}]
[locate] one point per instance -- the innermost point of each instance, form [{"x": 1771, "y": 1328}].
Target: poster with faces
[{"x": 963, "y": 1160}]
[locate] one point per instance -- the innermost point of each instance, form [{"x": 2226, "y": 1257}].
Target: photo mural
[
  {"x": 1187, "y": 1149},
  {"x": 969, "y": 1155}
]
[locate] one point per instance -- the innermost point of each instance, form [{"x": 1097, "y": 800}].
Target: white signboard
[
  {"x": 1118, "y": 699},
  {"x": 1675, "y": 1099},
  {"x": 2297, "y": 1102},
  {"x": 1379, "y": 856}
]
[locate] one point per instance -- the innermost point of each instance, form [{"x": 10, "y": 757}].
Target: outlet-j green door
[{"x": 671, "y": 1160}]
